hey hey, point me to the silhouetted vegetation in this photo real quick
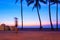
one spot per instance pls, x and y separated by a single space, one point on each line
56 2
50 14
21 11
37 6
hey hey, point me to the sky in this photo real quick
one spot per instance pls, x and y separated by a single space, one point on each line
9 10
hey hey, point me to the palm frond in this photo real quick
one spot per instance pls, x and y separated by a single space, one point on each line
16 1
30 2
55 1
45 2
21 0
52 3
51 0
59 2
35 6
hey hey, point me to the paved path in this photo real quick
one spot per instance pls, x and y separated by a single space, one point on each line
30 35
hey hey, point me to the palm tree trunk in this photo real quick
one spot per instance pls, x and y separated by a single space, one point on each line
50 17
57 16
39 19
21 14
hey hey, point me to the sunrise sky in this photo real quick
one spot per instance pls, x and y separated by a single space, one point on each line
9 10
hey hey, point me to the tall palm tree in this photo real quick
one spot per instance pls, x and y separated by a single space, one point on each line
50 14
37 6
21 11
56 1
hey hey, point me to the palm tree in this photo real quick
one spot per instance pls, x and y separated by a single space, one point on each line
50 15
21 11
37 6
56 1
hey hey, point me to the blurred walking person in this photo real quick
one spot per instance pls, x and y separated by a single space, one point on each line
16 24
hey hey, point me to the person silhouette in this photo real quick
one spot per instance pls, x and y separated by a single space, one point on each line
16 24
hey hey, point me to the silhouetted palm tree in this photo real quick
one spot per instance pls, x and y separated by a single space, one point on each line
56 1
21 11
37 5
50 14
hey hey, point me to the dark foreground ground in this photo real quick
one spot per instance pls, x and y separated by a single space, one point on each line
30 35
